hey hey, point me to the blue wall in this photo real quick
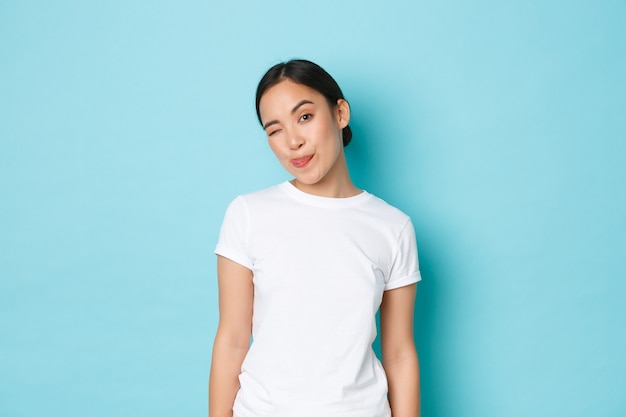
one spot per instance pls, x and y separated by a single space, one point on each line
126 127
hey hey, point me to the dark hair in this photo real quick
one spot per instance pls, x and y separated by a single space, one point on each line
306 73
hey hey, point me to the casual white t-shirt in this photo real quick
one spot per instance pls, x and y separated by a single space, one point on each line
320 267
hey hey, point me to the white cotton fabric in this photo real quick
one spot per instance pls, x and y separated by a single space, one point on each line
320 267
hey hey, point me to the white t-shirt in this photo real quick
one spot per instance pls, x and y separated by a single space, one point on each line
320 267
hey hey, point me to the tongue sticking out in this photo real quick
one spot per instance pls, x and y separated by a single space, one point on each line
301 162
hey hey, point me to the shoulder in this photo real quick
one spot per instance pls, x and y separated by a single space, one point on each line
265 195
386 212
244 202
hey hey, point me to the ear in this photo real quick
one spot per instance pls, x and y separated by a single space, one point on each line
343 113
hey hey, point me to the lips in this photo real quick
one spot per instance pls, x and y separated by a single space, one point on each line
301 162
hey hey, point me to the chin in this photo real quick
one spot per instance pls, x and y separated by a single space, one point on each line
307 180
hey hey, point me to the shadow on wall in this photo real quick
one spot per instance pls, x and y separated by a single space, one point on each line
384 159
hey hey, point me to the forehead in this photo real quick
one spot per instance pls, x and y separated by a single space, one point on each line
283 96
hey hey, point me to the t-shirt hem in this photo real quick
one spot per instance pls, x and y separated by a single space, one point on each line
233 256
408 280
237 412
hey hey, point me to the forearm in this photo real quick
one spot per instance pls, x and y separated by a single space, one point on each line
224 381
404 385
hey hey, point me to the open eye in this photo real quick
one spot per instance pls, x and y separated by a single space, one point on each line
306 117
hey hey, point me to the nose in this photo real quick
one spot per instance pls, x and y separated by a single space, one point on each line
295 140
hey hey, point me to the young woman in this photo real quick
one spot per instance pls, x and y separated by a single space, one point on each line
304 266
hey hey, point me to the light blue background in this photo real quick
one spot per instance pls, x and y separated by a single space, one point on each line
126 128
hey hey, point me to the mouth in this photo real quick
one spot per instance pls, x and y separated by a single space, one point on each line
301 162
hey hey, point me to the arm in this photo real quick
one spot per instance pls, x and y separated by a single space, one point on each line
233 335
398 351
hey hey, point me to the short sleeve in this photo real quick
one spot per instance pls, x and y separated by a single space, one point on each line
233 239
405 267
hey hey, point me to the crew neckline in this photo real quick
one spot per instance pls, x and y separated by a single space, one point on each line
319 201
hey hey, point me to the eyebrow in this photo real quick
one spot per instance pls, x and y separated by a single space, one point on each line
295 109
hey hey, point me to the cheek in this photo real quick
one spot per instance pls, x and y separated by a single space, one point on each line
334 139
274 147
328 134
279 153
